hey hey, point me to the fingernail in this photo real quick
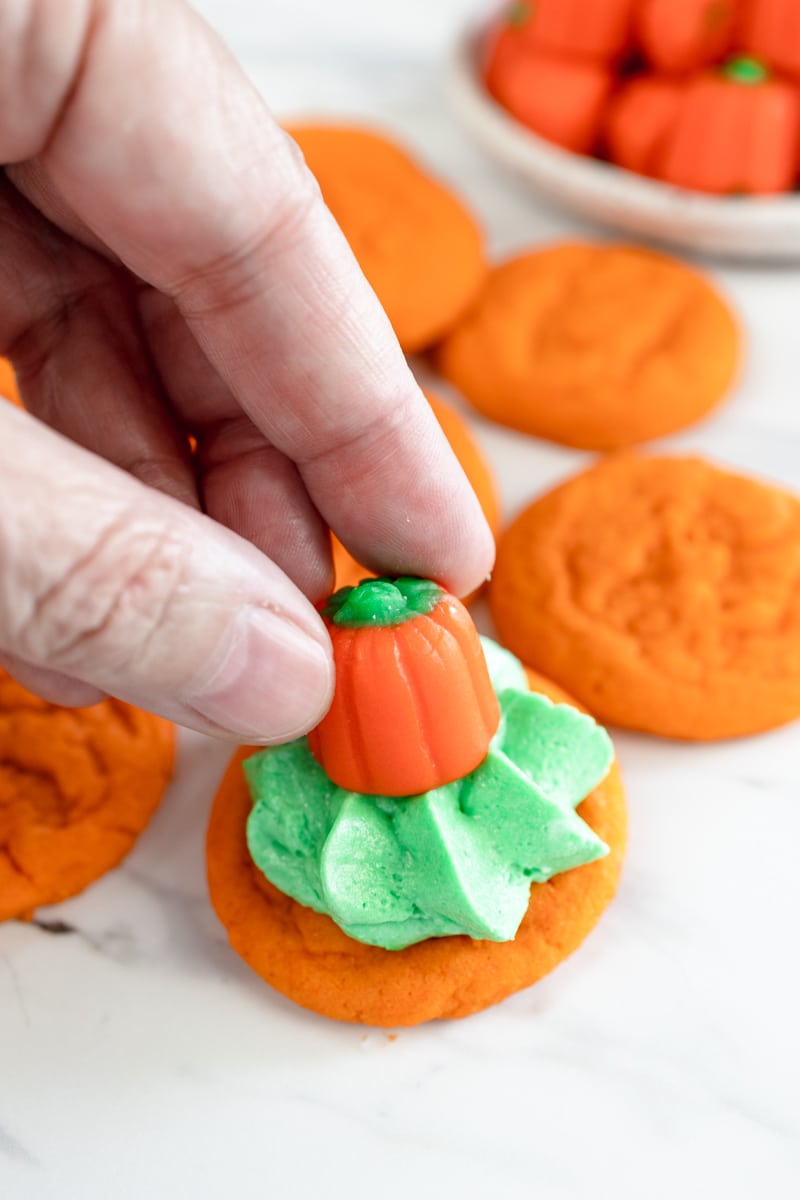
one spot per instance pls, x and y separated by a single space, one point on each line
273 681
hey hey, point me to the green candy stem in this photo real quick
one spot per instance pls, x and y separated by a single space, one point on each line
745 70
382 602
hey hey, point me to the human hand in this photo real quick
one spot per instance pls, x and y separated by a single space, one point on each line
167 267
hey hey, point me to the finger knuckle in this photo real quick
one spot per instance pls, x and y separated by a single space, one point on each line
230 280
106 603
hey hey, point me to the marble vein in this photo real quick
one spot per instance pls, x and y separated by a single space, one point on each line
13 1149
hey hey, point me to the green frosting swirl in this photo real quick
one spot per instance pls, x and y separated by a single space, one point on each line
382 602
457 860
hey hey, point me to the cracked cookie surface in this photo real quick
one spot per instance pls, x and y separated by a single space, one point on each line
663 592
304 955
597 347
77 787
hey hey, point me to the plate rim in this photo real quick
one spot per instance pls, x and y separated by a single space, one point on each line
741 228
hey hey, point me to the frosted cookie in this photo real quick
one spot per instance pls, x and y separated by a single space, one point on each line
398 908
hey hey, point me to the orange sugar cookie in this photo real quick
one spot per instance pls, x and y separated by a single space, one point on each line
663 592
77 787
476 468
597 347
304 955
8 382
418 246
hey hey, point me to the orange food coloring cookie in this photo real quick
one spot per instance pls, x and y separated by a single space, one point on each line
418 246
304 955
682 35
597 347
477 470
77 787
663 592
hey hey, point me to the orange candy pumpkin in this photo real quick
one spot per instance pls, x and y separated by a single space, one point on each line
770 29
734 131
737 132
599 29
414 707
638 121
683 35
561 99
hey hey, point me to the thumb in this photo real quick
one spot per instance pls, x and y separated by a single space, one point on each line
110 582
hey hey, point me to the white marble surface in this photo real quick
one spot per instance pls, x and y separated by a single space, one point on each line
140 1059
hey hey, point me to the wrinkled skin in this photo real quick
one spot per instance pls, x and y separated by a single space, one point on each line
168 268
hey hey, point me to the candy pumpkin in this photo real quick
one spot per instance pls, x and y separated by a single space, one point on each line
638 120
598 29
770 29
683 35
559 98
414 706
732 131
737 132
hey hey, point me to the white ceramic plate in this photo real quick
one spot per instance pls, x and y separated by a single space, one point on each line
736 228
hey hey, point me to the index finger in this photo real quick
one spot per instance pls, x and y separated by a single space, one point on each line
162 148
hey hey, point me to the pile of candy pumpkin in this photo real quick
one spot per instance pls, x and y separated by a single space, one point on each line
701 94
